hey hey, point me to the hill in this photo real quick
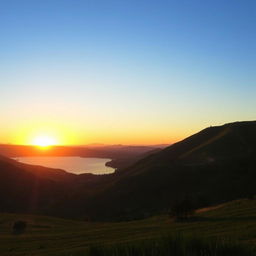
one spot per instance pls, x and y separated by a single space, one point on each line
24 191
213 166
36 189
235 221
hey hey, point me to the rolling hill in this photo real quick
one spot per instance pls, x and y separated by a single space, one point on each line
213 166
235 221
216 165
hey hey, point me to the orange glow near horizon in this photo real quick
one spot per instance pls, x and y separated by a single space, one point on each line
43 134
46 133
45 138
44 141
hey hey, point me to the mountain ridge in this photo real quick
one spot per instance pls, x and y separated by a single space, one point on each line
221 154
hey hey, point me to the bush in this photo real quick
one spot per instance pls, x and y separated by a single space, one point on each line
19 227
183 209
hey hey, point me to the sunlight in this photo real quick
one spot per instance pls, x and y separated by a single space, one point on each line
44 141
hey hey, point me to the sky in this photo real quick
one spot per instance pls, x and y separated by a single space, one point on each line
124 72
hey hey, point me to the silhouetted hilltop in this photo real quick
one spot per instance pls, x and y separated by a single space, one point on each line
212 166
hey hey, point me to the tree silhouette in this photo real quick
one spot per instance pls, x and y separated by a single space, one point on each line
19 227
182 209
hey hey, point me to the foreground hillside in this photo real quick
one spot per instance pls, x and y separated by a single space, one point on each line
235 221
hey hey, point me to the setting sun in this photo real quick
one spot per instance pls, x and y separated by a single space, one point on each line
44 141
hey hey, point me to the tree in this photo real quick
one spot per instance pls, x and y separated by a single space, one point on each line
182 209
19 227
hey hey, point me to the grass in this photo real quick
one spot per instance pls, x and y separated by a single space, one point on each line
174 246
231 226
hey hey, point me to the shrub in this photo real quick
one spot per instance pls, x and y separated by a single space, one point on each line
19 227
182 209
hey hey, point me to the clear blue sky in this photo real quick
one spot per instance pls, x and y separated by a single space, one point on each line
125 71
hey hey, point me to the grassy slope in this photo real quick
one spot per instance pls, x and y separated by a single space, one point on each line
51 236
215 165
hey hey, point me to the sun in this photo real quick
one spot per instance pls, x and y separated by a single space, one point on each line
44 141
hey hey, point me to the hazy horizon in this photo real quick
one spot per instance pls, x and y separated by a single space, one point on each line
98 144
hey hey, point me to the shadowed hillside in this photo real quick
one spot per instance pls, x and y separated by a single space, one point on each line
213 166
35 189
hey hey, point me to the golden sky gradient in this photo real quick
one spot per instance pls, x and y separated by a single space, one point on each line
124 72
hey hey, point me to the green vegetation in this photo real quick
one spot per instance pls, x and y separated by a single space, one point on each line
175 246
229 227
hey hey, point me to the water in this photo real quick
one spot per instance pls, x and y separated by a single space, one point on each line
72 164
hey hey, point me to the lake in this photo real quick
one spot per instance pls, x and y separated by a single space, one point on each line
77 165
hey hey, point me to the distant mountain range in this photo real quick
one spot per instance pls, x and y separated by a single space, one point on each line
215 165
